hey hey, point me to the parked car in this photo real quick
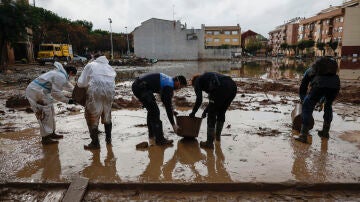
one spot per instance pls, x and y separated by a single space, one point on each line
78 58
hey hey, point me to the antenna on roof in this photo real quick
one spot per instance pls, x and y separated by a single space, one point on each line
173 12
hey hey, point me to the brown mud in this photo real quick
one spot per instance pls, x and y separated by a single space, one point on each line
256 146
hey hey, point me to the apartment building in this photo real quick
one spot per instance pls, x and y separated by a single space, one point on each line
329 26
220 36
285 33
171 40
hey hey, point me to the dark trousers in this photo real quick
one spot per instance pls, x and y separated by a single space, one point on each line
220 100
314 97
147 98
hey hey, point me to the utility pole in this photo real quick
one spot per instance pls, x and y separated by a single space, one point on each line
127 39
111 41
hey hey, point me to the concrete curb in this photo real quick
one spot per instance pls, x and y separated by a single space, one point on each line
219 187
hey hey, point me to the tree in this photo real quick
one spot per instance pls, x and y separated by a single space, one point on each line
321 46
13 23
253 45
333 46
301 45
284 46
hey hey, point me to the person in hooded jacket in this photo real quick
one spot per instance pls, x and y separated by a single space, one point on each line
222 90
43 92
144 88
325 84
99 79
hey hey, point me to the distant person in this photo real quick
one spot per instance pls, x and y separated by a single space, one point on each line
99 79
325 83
144 88
222 90
46 90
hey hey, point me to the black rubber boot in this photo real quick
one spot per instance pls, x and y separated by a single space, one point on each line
304 133
209 143
56 136
150 129
108 128
94 144
47 140
159 135
325 131
219 127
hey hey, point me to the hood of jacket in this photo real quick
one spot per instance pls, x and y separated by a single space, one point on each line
102 59
61 69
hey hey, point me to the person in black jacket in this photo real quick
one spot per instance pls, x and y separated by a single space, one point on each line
324 84
144 87
222 90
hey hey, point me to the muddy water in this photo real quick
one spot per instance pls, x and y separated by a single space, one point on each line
256 145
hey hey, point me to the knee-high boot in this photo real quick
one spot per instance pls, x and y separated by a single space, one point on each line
209 143
108 128
325 131
94 144
219 127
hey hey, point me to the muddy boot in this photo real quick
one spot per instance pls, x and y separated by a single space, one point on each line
159 135
219 127
209 143
56 136
108 128
304 133
47 140
94 144
325 131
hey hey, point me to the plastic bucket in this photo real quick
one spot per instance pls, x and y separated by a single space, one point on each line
189 126
79 95
297 120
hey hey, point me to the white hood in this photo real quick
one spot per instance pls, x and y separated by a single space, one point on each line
61 69
102 59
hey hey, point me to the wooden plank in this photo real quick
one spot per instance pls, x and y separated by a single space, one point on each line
76 190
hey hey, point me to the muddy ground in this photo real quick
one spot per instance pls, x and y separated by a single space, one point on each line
256 146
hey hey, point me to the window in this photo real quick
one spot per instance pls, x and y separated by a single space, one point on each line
227 40
227 32
339 39
235 32
216 40
235 40
216 32
341 19
209 39
57 48
209 32
340 29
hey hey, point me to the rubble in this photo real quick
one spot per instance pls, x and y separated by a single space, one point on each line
17 101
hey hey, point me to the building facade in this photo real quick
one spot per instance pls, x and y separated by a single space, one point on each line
328 26
285 33
220 36
171 40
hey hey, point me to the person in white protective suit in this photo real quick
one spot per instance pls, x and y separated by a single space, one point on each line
99 79
43 92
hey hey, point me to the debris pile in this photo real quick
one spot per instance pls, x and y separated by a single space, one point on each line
133 61
17 101
121 103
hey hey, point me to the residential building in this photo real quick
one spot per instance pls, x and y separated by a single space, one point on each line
171 40
220 36
246 35
329 26
285 33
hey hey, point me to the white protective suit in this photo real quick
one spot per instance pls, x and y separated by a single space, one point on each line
43 92
99 79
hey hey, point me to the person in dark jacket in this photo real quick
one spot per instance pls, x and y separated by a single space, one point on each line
222 90
144 87
325 83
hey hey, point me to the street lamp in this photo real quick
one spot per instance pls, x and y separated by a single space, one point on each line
127 39
111 42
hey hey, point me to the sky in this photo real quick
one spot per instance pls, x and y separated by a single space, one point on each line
260 16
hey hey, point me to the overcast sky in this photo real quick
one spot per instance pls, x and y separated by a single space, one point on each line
260 16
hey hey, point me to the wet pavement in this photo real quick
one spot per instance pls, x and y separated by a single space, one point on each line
256 144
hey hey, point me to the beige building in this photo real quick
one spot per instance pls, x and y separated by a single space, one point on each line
219 36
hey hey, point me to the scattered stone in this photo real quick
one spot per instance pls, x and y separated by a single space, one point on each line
228 126
29 110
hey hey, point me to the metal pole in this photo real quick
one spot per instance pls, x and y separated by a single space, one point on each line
127 39
111 41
